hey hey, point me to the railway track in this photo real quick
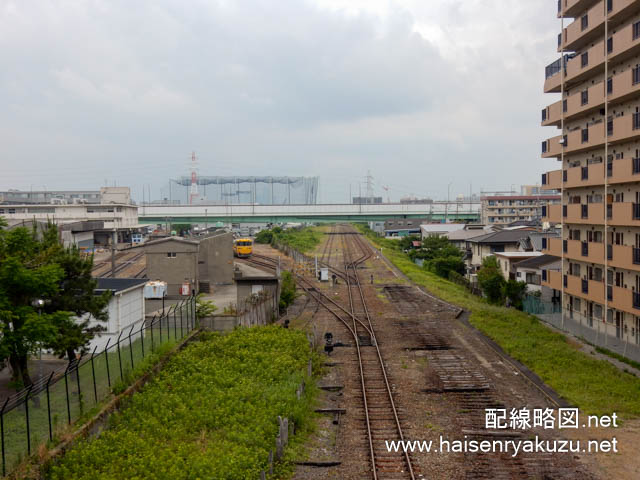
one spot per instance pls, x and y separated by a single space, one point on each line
382 420
123 261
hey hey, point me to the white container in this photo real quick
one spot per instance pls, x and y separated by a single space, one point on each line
324 274
155 289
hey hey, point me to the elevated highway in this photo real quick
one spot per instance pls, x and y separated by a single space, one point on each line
252 213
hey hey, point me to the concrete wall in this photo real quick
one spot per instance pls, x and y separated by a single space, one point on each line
173 270
215 259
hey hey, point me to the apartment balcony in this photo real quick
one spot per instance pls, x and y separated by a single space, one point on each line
552 180
591 61
621 130
553 280
572 8
590 252
589 24
592 290
586 214
554 246
552 213
552 147
625 256
625 299
624 170
585 176
552 115
621 89
625 214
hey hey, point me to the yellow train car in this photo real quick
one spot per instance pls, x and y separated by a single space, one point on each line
242 247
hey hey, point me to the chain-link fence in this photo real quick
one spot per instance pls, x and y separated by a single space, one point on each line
621 336
37 414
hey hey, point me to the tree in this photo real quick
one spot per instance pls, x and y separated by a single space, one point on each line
264 236
204 308
27 274
76 295
406 243
287 290
181 228
491 280
515 291
442 266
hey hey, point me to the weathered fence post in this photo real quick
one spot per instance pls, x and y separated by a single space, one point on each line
131 347
142 336
119 356
106 359
153 321
26 411
49 407
93 373
4 464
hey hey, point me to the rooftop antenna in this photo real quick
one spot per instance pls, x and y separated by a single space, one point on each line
193 192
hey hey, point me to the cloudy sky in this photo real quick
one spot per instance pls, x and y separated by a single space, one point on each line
424 93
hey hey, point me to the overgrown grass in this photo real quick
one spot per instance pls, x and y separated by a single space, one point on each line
596 386
210 413
303 239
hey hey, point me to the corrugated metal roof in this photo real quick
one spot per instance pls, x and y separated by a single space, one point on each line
118 284
503 236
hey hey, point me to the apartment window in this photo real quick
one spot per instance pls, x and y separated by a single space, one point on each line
584 210
564 210
584 97
544 275
565 142
544 179
636 256
544 114
565 281
597 310
636 119
610 126
609 252
564 175
559 39
609 292
635 75
636 30
609 44
609 168
544 147
635 168
585 139
585 249
171 254
609 211
585 286
564 105
11 210
544 242
609 85
544 213
584 59
574 234
636 211
609 5
565 246
584 22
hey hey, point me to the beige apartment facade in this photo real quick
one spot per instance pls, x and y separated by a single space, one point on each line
597 78
505 209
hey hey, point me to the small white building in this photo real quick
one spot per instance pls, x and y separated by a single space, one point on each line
439 229
531 272
508 262
126 309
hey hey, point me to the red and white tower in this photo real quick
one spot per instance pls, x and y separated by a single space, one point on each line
193 192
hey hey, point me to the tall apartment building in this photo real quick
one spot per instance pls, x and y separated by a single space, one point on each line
505 209
598 116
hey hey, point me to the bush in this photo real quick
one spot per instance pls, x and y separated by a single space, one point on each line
491 281
264 236
442 266
455 277
287 290
514 292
